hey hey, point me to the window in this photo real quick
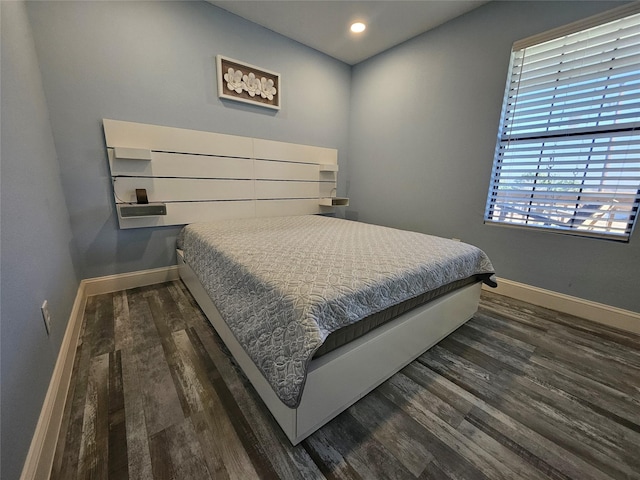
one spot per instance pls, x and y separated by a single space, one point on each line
567 157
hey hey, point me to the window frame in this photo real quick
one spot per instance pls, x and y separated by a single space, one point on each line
598 132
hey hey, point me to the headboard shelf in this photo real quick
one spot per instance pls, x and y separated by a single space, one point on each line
334 202
123 153
204 176
142 210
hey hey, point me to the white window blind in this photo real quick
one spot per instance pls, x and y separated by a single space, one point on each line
568 151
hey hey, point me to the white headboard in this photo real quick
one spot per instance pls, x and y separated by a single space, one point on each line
203 176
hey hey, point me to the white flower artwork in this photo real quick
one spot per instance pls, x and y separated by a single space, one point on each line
251 84
234 80
267 90
247 83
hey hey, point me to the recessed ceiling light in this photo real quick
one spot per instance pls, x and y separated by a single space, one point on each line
358 27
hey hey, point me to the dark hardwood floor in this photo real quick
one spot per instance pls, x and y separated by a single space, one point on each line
517 392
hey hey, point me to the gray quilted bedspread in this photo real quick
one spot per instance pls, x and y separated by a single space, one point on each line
283 284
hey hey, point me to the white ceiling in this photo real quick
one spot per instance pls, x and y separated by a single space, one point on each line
324 25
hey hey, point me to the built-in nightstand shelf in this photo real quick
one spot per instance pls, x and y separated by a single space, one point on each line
328 167
141 210
123 153
334 202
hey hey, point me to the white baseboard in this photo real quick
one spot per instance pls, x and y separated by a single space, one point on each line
39 460
43 444
124 281
596 312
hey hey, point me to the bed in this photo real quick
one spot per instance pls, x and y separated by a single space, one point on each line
279 290
261 206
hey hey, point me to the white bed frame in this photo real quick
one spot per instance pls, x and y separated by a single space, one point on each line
338 379
255 178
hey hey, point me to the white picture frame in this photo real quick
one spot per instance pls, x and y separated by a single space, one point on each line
242 82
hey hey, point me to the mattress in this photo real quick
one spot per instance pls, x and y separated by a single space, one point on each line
349 333
284 284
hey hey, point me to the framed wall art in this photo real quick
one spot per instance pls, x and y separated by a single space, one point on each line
247 83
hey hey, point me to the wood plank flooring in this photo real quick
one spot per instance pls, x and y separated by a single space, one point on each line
517 392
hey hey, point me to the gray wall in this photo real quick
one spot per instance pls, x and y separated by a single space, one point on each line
423 127
150 62
154 62
36 243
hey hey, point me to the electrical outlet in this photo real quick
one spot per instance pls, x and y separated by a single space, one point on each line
46 316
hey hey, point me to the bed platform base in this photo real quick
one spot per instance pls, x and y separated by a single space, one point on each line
338 379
